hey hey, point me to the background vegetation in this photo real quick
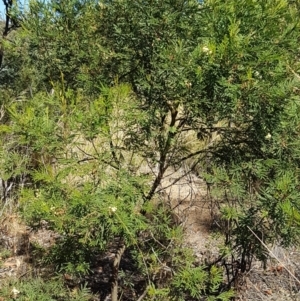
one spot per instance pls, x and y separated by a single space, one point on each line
99 99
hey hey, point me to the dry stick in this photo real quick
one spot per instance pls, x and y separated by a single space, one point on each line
143 295
274 256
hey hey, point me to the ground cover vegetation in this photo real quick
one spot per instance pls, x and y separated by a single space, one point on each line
99 99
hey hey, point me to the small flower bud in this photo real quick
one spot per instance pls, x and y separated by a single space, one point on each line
112 209
268 136
206 50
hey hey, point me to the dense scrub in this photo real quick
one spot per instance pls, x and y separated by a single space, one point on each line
99 99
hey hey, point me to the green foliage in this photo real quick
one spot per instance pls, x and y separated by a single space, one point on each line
196 282
99 99
191 280
39 290
75 214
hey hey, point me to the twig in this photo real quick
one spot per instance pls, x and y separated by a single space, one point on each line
157 241
142 296
274 256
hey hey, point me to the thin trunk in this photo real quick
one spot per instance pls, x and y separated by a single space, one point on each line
114 289
163 162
